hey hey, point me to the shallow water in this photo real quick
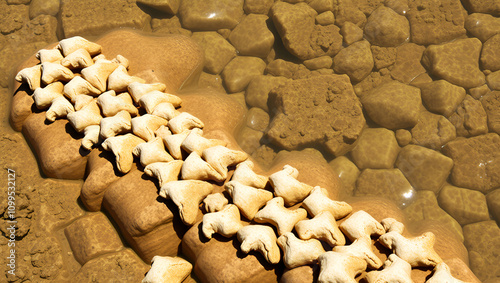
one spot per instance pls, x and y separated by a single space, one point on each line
372 165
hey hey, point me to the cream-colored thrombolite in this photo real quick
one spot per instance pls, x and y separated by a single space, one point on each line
162 132
112 126
78 86
145 126
248 199
318 201
120 59
395 270
287 186
220 157
151 99
119 79
322 227
151 152
262 239
360 224
43 96
98 73
52 72
339 267
195 142
165 269
245 175
78 59
187 195
82 100
174 142
89 115
69 45
362 248
164 171
215 202
59 108
137 89
184 121
297 252
111 103
195 168
391 224
282 218
122 147
91 136
418 251
31 76
49 55
225 222
441 274
165 110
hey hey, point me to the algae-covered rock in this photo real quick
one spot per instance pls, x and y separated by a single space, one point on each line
469 118
356 61
387 28
466 206
377 148
432 131
240 71
442 97
481 239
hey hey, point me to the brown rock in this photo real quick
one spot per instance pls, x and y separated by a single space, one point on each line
470 119
169 26
466 206
251 36
390 184
91 236
347 171
490 55
41 7
383 57
325 18
300 121
479 91
302 274
432 131
287 69
491 104
122 266
407 65
249 139
476 163
457 62
356 61
399 6
167 6
210 14
348 11
102 172
376 149
218 51
321 6
368 6
257 119
373 80
301 37
211 81
493 199
425 168
426 207
403 136
351 33
319 63
481 239
258 89
493 80
393 105
482 26
240 71
257 6
92 19
442 97
434 22
483 6
149 54
57 146
386 28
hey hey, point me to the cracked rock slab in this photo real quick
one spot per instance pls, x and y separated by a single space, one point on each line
330 115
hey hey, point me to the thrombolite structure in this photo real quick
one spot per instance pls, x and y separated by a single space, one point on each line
151 225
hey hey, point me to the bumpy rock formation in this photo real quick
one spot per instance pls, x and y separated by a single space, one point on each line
298 119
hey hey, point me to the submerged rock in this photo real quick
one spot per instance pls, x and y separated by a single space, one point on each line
482 26
258 89
376 149
470 118
252 37
457 62
387 28
356 61
481 239
442 97
466 206
432 131
240 71
330 115
491 104
218 51
490 55
210 14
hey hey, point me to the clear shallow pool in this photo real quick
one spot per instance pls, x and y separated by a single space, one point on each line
428 109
